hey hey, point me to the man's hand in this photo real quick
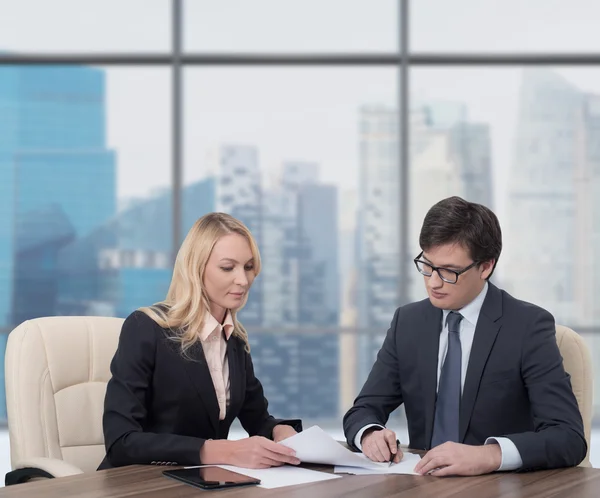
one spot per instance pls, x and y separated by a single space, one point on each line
282 431
454 459
380 445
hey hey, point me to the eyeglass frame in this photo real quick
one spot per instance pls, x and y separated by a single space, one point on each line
458 273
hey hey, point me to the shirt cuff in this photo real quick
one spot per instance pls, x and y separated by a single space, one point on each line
360 433
511 458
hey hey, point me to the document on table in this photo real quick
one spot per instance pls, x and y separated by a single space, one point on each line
314 445
278 477
405 466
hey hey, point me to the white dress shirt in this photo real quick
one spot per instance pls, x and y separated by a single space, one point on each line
214 337
511 458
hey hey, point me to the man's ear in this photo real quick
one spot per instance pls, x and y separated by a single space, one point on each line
487 267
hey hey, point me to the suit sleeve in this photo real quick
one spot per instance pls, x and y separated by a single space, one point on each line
126 403
254 415
557 439
381 394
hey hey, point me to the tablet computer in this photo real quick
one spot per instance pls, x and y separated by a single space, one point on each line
211 477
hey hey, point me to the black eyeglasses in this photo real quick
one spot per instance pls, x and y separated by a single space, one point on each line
446 274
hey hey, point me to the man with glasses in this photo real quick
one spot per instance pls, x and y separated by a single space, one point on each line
479 372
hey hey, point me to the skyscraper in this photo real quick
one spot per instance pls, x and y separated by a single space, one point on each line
348 307
318 233
586 270
238 192
379 226
52 154
449 156
319 300
586 245
300 370
52 151
553 231
40 235
278 294
126 262
538 253
470 146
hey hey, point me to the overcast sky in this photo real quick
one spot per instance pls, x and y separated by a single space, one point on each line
296 113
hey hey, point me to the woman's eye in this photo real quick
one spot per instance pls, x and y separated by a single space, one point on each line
249 268
226 269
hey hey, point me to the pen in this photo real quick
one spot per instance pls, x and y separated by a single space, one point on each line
394 454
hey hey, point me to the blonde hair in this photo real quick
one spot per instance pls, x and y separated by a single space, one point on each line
186 305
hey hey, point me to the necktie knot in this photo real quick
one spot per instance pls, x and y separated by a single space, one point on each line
453 321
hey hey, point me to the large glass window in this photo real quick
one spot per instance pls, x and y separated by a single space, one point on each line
488 26
309 153
90 26
84 191
524 141
273 26
293 153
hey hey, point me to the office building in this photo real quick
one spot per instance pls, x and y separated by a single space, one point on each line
538 256
238 192
586 267
53 152
127 262
449 156
299 369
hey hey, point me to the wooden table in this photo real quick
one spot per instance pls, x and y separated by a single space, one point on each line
147 481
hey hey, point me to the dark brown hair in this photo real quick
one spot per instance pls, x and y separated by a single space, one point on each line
456 221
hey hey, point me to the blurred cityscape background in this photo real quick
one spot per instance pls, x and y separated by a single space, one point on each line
309 156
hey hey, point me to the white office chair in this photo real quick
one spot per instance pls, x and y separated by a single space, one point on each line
577 361
56 374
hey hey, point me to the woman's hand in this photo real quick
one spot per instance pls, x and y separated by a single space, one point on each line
281 432
255 452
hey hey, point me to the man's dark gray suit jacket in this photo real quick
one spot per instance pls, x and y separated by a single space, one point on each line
515 385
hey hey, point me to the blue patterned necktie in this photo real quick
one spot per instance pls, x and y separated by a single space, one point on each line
447 404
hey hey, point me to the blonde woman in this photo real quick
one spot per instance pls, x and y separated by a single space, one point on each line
183 372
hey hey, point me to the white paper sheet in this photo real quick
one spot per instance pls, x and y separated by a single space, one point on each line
278 477
405 466
314 445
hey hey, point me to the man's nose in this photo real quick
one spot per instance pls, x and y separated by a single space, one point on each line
435 281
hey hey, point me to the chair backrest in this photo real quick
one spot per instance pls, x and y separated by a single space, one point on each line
577 361
56 371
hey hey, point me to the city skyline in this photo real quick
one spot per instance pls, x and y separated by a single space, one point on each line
323 266
71 253
439 111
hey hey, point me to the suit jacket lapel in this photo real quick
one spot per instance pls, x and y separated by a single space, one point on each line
199 374
486 331
430 343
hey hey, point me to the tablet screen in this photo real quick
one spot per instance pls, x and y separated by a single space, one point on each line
211 477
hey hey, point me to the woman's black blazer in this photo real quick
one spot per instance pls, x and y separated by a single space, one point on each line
161 407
